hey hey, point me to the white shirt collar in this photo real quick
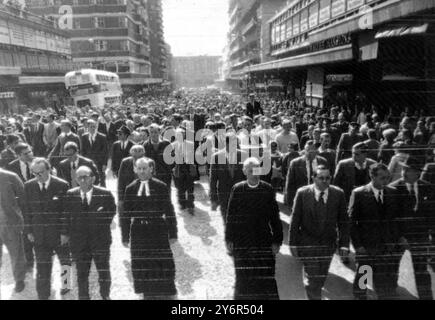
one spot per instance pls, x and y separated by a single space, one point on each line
361 167
47 183
76 163
377 192
88 195
317 193
411 186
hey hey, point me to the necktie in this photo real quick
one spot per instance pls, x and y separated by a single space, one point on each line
381 197
321 199
27 172
414 197
309 170
73 175
44 189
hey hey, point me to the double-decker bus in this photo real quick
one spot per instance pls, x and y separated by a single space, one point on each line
95 88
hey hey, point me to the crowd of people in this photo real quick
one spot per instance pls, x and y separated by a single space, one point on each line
350 176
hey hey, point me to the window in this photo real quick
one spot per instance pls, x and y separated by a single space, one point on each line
77 23
100 45
125 45
99 22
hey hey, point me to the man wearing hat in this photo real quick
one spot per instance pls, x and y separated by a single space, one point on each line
120 149
416 221
347 141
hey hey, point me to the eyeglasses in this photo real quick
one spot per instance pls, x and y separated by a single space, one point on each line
83 177
38 174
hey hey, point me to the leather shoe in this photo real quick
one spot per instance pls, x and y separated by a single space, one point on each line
19 286
106 298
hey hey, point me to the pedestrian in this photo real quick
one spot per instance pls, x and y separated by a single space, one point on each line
253 235
88 214
151 229
319 226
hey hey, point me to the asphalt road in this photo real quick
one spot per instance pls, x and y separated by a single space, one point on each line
203 268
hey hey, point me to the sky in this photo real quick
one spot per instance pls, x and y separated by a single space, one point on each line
195 27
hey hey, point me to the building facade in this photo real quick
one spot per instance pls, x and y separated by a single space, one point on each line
342 52
248 36
196 71
158 55
34 57
111 35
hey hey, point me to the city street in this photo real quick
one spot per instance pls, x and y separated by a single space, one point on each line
204 270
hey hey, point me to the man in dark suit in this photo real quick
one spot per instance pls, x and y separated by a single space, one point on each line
94 147
347 141
57 154
120 150
8 155
34 136
21 167
127 174
301 170
88 214
353 172
42 212
226 170
319 223
372 211
11 224
326 152
149 226
67 168
108 128
155 149
416 222
253 107
253 235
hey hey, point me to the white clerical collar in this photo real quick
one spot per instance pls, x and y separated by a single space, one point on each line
253 186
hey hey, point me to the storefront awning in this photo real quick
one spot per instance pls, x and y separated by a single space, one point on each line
402 31
342 53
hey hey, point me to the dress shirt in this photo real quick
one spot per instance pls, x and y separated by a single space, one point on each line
317 193
379 194
361 167
87 196
46 184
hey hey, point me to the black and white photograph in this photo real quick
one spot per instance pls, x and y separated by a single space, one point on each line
229 152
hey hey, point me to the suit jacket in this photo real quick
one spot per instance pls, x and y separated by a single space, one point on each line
297 176
110 134
308 231
330 156
126 176
163 170
345 175
12 198
43 213
57 154
371 227
15 167
117 155
7 156
35 139
415 220
97 151
154 214
344 148
64 170
89 229
429 174
252 110
221 181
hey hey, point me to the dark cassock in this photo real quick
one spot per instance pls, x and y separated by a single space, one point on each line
149 222
253 225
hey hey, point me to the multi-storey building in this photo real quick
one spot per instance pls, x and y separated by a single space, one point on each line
373 52
34 57
248 36
196 71
158 56
112 35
